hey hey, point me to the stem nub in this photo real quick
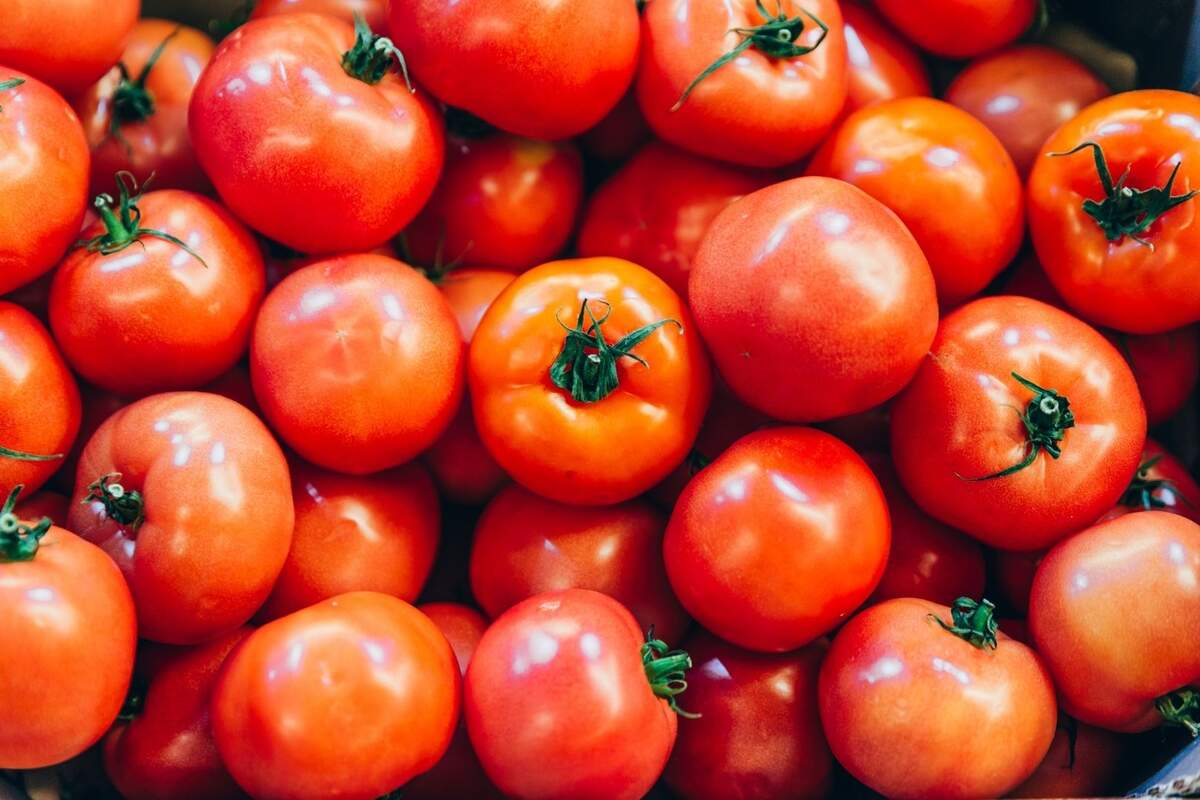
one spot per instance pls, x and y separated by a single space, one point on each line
1046 419
127 508
666 669
11 83
18 455
373 56
124 223
1143 490
1181 708
131 100
19 542
973 622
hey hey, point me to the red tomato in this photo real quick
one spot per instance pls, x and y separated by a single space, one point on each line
373 11
1119 256
525 545
945 175
1023 94
1165 365
189 494
1023 424
559 703
987 713
811 541
1097 615
550 406
166 751
68 44
181 314
657 208
880 65
814 272
349 698
958 29
758 733
43 186
336 350
67 637
43 504
777 87
1083 761
1162 483
320 158
462 626
96 405
1014 576
867 431
619 135
235 384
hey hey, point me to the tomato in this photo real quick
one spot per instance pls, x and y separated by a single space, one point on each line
1083 762
758 733
867 431
96 405
334 355
234 384
732 81
43 187
43 504
1118 255
1023 94
68 44
374 12
1013 574
1162 483
502 201
657 208
1096 613
67 638
551 407
181 313
1166 366
619 135
189 494
880 65
374 533
922 158
987 714
811 544
166 751
350 698
812 271
1022 425
318 157
958 29
563 699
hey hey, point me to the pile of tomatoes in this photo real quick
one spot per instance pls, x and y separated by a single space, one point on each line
746 422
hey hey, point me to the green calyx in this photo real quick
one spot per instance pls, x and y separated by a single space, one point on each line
126 508
776 38
1143 490
1181 708
1046 419
373 56
18 541
17 455
123 223
1125 211
131 100
11 83
587 365
666 670
973 622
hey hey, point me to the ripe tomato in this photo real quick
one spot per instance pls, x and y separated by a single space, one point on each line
317 156
96 405
234 384
1096 613
740 81
1083 761
619 135
1166 366
1023 424
350 698
987 704
43 186
68 618
921 158
550 405
758 733
43 504
1162 483
374 12
1117 254
657 208
957 29
812 271
564 699
464 470
1023 94
140 294
880 65
812 539
525 545
189 494
334 355
68 44
1013 573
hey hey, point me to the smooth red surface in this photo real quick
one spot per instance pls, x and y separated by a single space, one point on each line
880 65
1165 365
1085 762
959 28
43 504
96 405
373 12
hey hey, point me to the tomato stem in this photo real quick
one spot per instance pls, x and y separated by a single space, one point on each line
1142 490
124 224
666 669
373 56
1046 419
19 542
11 83
1181 708
127 508
17 455
131 100
973 622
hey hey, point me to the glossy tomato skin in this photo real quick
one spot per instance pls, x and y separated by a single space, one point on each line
333 358
961 419
553 70
96 405
326 165
657 208
956 29
812 271
153 317
1166 366
284 729
921 157
558 704
217 507
755 110
564 449
990 710
1083 761
1122 284
374 12
758 734
879 64
68 44
812 537
1095 612
44 190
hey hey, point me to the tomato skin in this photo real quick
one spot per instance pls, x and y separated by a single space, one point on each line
1166 366
1014 576
812 539
43 504
96 405
957 29
879 64
292 732
1096 615
868 314
755 110
925 157
1088 766
620 134
990 714
759 734
558 704
290 159
961 418
374 12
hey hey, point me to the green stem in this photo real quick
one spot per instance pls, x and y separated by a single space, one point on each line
131 100
1046 418
17 455
1181 708
18 541
973 622
1142 490
666 670
126 508
373 56
11 83
123 223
